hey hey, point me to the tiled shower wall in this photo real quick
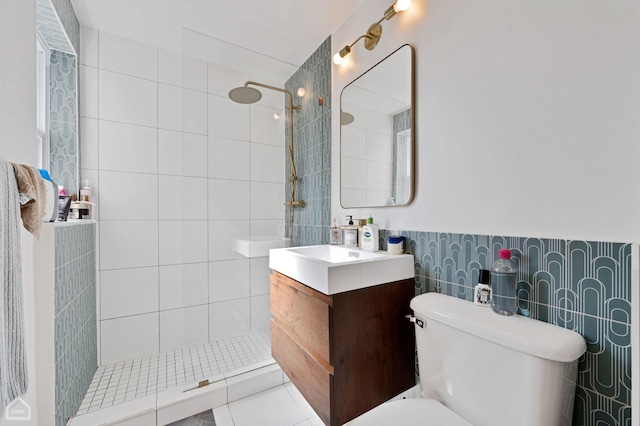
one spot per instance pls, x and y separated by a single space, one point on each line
580 285
63 120
76 346
69 20
180 172
312 152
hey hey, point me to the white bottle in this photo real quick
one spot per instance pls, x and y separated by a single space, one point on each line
86 193
370 236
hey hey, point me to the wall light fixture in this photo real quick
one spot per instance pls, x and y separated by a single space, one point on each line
374 32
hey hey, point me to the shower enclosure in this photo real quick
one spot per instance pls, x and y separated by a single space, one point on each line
177 186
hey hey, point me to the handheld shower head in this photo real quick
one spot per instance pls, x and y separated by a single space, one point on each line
245 95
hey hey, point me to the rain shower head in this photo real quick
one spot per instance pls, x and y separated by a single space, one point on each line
346 118
245 95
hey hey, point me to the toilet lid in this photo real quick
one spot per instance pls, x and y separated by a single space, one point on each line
410 412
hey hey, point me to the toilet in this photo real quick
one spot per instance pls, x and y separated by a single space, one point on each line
483 369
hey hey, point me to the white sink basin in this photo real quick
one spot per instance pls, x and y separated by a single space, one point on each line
336 269
259 245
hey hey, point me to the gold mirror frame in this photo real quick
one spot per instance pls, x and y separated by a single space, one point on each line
377 155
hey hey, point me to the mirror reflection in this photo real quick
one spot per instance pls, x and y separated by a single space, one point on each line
376 143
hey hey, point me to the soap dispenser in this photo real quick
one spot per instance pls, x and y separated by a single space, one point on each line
370 236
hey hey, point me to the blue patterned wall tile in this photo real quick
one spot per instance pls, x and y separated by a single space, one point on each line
599 279
591 408
312 130
63 132
549 270
606 367
75 320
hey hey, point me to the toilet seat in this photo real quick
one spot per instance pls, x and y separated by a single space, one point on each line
410 412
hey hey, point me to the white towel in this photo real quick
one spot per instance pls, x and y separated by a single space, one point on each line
13 362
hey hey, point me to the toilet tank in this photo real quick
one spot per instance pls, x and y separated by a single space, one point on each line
495 370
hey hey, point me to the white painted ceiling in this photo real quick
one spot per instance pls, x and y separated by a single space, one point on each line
287 30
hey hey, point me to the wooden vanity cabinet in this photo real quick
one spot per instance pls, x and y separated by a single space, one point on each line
348 352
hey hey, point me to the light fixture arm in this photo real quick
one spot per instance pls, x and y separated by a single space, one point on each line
373 34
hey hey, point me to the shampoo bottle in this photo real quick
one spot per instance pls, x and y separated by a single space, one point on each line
370 236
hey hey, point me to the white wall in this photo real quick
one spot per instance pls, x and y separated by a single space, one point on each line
527 115
180 171
17 144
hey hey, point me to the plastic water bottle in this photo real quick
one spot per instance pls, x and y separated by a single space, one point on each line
503 284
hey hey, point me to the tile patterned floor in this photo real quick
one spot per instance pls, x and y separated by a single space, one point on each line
124 381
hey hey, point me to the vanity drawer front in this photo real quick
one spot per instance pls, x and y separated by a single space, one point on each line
303 315
311 379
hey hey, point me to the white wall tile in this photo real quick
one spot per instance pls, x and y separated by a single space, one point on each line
184 327
94 178
229 280
182 198
89 143
222 234
128 99
128 196
125 292
267 163
353 142
169 107
182 109
194 111
128 148
229 159
267 200
378 176
272 98
378 198
182 242
223 79
127 244
182 154
129 337
228 199
268 227
260 276
228 119
88 46
260 313
229 319
194 74
379 147
379 122
264 129
354 197
169 67
128 57
354 173
184 285
88 91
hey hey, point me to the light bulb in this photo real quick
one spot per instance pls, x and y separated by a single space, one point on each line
301 92
337 59
276 116
401 5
